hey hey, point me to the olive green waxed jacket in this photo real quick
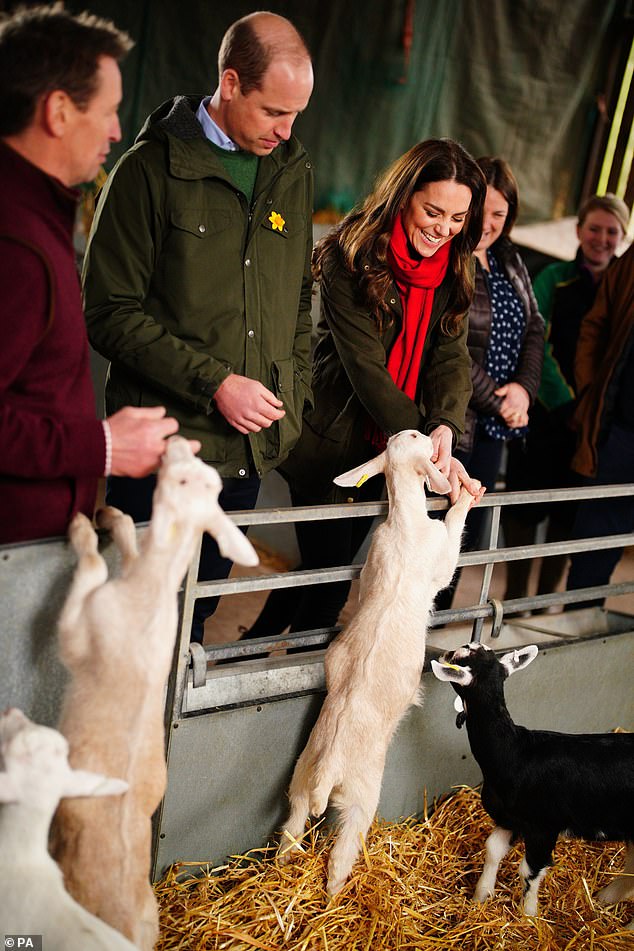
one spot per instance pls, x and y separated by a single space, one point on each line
185 284
352 386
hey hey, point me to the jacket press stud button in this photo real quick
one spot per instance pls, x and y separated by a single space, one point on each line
247 263
242 472
202 228
251 333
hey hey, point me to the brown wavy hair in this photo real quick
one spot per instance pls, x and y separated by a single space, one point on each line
361 240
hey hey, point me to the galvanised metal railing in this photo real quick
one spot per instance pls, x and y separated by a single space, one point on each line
486 607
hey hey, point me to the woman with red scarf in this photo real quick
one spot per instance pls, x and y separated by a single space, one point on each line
397 279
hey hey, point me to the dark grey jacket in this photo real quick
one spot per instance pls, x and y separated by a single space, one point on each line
528 374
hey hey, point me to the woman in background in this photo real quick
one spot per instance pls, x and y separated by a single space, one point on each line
565 292
396 280
506 343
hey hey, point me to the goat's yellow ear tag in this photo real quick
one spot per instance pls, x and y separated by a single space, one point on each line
450 666
364 478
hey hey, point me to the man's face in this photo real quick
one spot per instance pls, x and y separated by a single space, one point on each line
261 119
90 132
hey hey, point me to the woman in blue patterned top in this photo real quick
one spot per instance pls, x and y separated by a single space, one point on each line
506 343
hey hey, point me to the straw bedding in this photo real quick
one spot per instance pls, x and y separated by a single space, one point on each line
411 888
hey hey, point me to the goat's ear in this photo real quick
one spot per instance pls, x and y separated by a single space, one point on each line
517 660
362 473
434 478
81 782
452 673
231 541
8 791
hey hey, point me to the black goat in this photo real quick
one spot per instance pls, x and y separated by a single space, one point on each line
538 784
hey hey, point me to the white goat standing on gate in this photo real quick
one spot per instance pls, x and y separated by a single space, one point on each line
117 639
35 775
373 668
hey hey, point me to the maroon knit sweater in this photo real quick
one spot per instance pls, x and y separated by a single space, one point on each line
52 447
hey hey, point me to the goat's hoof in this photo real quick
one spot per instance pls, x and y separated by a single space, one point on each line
288 848
482 894
333 887
286 853
621 889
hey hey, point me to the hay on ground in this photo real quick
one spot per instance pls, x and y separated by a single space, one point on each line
411 888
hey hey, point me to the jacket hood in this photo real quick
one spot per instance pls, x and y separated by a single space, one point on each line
174 122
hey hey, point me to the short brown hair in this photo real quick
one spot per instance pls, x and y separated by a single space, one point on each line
245 49
44 48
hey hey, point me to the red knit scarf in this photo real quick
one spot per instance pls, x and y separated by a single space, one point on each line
416 279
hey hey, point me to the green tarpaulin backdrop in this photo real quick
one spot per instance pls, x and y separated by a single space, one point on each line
516 78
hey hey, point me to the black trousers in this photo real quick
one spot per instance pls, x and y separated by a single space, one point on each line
323 544
483 463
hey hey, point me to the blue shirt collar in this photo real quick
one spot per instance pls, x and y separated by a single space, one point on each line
212 130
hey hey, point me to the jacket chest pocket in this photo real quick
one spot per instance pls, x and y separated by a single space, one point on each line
200 224
198 250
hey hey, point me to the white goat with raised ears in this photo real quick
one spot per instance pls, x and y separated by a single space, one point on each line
539 784
117 639
35 775
374 666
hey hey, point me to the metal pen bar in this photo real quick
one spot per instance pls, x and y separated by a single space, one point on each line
488 572
363 509
322 636
292 579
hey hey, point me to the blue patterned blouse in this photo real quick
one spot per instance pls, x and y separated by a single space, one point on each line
508 322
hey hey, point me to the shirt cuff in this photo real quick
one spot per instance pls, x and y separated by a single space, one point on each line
108 438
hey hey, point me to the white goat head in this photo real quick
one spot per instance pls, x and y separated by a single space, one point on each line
187 490
408 449
35 768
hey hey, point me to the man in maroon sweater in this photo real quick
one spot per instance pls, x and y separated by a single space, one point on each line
60 88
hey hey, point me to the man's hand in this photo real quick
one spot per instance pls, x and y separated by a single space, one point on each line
442 438
246 404
459 476
138 439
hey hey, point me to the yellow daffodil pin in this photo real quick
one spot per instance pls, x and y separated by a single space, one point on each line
277 222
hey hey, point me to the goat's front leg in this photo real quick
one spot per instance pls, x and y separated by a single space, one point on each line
497 845
454 525
123 532
91 572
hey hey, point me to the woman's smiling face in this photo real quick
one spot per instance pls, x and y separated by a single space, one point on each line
435 215
599 237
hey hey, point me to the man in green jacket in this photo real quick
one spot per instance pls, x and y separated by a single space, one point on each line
197 274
